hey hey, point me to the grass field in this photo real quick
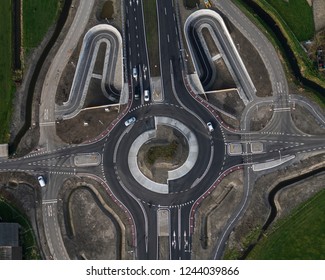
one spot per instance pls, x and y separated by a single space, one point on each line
191 4
6 83
28 243
301 236
298 15
151 25
166 152
38 16
307 68
107 10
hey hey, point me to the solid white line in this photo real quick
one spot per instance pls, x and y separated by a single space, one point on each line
49 201
47 124
281 109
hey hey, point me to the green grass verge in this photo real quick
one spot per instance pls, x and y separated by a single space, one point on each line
151 26
300 236
107 10
10 214
298 15
307 67
6 83
191 4
38 16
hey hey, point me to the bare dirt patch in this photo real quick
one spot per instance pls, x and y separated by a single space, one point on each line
230 102
92 224
224 80
305 121
319 14
231 122
213 49
97 121
260 117
156 166
252 60
214 213
99 64
86 214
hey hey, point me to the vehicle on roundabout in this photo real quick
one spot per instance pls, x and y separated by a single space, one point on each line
210 127
41 181
130 121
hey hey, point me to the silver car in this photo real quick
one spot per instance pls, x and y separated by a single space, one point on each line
41 181
130 121
146 95
135 73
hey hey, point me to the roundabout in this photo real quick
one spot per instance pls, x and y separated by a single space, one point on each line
187 180
173 174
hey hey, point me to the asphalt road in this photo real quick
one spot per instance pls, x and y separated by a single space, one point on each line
280 139
136 48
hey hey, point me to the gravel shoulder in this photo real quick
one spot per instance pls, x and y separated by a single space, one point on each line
91 122
305 121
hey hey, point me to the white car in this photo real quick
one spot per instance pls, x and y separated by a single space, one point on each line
135 73
41 181
210 126
130 121
146 95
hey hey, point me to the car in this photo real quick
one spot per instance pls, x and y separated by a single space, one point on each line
146 95
137 93
130 121
41 181
210 126
135 72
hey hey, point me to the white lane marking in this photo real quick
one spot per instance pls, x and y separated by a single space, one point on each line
49 201
47 124
49 210
46 114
